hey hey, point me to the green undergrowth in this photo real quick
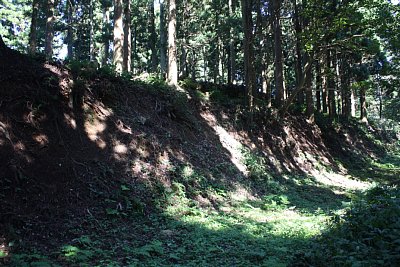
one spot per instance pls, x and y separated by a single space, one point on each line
368 234
223 228
202 218
259 232
288 220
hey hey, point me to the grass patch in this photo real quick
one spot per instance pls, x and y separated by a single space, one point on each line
368 234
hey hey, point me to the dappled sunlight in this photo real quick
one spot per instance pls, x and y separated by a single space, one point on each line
120 150
227 141
240 193
94 130
344 182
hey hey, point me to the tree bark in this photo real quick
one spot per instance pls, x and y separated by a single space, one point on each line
307 67
298 30
127 60
346 90
266 86
172 55
70 31
163 52
49 30
308 90
318 86
32 34
232 54
106 45
279 81
118 37
331 86
247 6
216 58
91 45
153 36
324 83
363 104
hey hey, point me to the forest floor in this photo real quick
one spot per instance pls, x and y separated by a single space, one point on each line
105 171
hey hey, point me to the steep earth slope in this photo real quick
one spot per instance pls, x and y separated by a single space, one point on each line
75 142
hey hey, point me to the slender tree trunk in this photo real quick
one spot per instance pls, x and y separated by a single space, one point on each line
172 55
153 36
127 60
352 102
338 83
309 95
49 30
279 81
163 43
318 86
205 63
32 34
266 86
118 36
363 104
216 44
135 69
380 95
70 31
331 86
346 91
299 69
91 46
232 53
247 6
106 45
324 83
183 62
193 61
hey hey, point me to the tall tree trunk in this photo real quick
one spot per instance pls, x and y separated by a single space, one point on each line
106 45
118 36
49 29
279 82
247 6
338 83
232 54
346 90
32 34
70 31
91 45
193 63
318 86
331 86
163 43
127 61
216 59
363 104
153 36
299 69
309 95
172 57
135 70
325 73
352 102
266 85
